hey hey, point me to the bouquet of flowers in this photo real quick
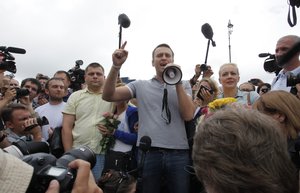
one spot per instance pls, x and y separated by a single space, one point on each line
111 123
217 105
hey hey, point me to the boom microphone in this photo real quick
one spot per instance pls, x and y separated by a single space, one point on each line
124 21
207 31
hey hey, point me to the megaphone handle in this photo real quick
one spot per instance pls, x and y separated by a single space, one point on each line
120 36
208 43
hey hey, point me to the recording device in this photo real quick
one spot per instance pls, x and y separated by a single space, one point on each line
77 76
7 60
200 89
124 22
21 92
47 167
270 64
292 80
41 121
208 34
287 56
21 148
172 74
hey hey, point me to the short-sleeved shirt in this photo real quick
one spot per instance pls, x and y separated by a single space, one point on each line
280 81
149 95
244 97
88 109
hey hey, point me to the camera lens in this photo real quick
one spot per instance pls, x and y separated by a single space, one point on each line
82 152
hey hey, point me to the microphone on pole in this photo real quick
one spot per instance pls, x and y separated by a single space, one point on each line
124 22
208 34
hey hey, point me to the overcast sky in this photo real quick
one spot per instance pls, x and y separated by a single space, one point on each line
56 33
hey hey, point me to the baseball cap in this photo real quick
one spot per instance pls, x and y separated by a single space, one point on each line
15 175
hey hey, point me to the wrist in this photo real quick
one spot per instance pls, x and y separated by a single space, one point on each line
116 67
2 136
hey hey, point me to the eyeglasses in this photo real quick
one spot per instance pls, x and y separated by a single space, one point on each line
264 90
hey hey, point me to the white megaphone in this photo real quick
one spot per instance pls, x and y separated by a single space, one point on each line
172 74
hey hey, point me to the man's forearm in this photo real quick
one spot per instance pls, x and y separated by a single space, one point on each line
67 138
110 82
186 105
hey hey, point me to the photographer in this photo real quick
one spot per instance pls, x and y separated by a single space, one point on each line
292 66
19 123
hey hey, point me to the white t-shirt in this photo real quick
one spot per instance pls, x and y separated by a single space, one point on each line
54 115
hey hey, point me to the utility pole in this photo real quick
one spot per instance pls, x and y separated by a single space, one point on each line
229 26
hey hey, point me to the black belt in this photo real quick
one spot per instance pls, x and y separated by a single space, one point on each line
165 149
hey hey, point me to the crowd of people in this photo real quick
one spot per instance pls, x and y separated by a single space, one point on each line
249 145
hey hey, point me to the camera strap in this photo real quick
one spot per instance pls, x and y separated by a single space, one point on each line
294 16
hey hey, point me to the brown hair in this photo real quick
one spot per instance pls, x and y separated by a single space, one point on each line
281 102
243 151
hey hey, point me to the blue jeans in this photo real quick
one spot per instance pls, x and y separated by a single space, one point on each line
165 167
97 169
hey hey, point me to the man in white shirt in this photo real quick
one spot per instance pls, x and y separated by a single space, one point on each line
52 110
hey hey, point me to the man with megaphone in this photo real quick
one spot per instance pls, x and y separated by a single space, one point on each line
164 103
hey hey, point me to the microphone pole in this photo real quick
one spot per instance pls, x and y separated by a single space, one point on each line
120 36
207 49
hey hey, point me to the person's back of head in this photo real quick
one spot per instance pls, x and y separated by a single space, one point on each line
243 151
284 104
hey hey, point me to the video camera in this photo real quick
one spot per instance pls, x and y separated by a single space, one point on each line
47 167
7 60
77 76
270 64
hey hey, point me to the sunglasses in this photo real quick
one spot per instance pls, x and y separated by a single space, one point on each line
264 90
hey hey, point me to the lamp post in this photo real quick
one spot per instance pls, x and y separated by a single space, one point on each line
229 26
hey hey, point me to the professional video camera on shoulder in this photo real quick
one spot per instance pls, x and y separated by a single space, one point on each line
7 60
47 167
77 76
270 64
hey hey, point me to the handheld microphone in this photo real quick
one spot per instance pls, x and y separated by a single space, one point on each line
123 20
207 31
145 143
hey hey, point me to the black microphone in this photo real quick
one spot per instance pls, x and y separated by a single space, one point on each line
123 20
145 143
287 56
207 31
263 55
16 50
